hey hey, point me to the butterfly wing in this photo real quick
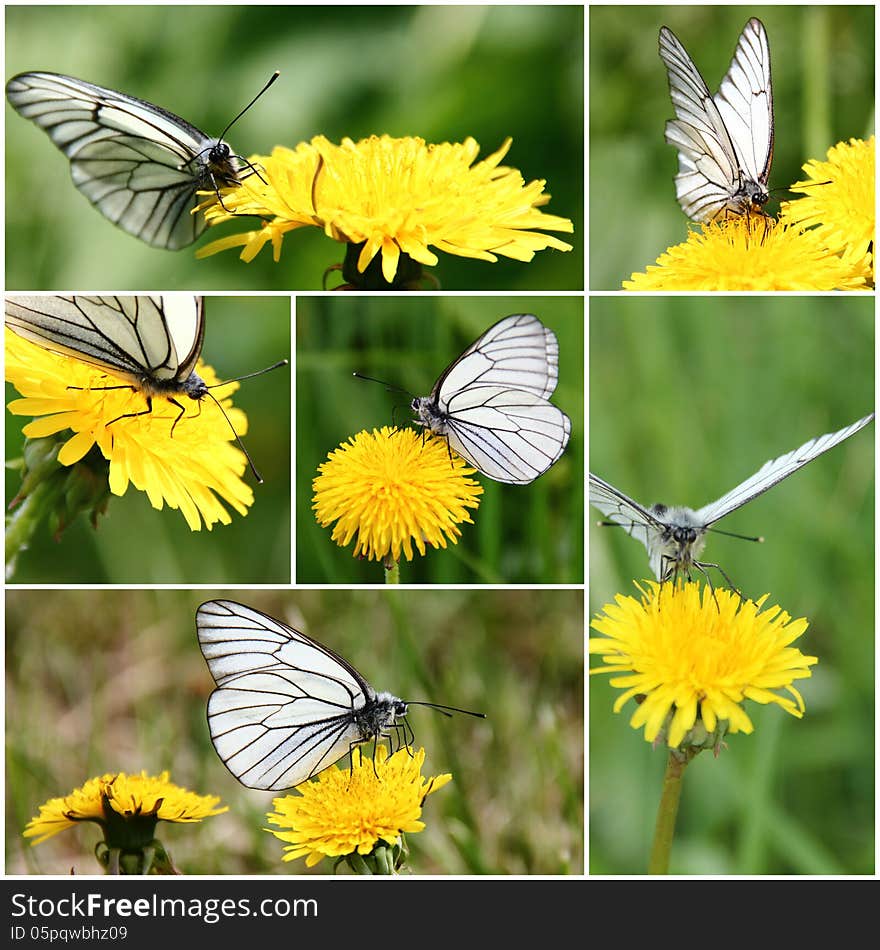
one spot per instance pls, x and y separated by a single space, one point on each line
636 520
134 337
773 471
518 352
493 401
137 163
283 707
721 166
509 435
745 101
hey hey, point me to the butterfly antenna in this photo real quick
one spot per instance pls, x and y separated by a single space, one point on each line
272 79
259 372
447 710
253 468
389 386
742 537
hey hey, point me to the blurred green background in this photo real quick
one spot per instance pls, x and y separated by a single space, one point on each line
823 78
689 397
107 680
521 533
135 543
439 72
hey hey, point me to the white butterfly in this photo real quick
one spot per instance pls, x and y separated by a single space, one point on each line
137 163
491 404
675 536
725 141
151 343
286 707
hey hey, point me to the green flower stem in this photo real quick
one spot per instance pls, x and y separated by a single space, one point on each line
358 864
24 520
384 860
664 830
392 571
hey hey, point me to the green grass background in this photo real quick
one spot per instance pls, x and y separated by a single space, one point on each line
134 543
823 77
107 680
439 72
690 396
521 533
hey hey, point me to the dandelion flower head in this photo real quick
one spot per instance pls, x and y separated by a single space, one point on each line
695 659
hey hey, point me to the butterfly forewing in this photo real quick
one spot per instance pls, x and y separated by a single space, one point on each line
136 337
775 470
139 164
745 101
518 352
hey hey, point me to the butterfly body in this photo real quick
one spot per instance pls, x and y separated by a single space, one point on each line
492 403
674 537
725 141
137 163
679 543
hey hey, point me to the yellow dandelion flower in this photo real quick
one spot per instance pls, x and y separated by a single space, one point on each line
839 201
193 470
395 489
748 252
392 197
140 799
344 813
694 661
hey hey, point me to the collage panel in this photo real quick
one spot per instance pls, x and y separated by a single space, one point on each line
381 127
109 681
764 98
110 482
689 399
459 459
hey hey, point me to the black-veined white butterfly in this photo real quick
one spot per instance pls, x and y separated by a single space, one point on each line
675 536
725 141
286 707
138 164
151 343
492 405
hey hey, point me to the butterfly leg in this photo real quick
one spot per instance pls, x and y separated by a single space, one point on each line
180 414
125 415
702 565
252 168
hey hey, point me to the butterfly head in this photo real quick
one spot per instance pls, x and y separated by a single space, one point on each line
379 714
751 196
682 538
428 414
219 167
